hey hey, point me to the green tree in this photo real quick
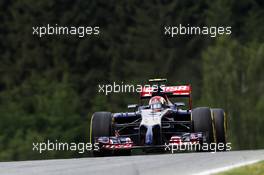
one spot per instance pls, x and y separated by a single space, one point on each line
232 80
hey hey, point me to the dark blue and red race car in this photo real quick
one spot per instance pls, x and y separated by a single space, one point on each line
158 123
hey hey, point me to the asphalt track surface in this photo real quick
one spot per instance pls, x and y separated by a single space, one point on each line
178 163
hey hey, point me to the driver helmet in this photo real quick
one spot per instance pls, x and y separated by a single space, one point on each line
157 102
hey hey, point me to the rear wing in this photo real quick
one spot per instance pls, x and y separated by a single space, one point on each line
169 91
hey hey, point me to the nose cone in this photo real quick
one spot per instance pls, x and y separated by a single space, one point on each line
149 136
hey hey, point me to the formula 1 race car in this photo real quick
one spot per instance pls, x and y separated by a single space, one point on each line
158 123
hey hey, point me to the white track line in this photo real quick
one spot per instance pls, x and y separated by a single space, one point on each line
225 168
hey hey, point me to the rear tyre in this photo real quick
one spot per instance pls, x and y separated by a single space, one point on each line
101 125
202 122
220 128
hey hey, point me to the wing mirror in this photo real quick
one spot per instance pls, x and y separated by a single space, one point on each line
132 106
179 104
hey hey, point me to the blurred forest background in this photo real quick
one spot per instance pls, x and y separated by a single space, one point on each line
49 85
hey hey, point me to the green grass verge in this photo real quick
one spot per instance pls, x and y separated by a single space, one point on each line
254 169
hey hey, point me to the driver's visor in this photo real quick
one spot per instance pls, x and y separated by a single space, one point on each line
156 106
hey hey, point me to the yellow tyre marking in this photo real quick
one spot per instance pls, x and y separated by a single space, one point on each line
91 124
213 125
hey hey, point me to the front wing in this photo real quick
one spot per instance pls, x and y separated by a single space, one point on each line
116 143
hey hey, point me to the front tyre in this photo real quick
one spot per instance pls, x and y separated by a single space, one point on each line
202 122
101 125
